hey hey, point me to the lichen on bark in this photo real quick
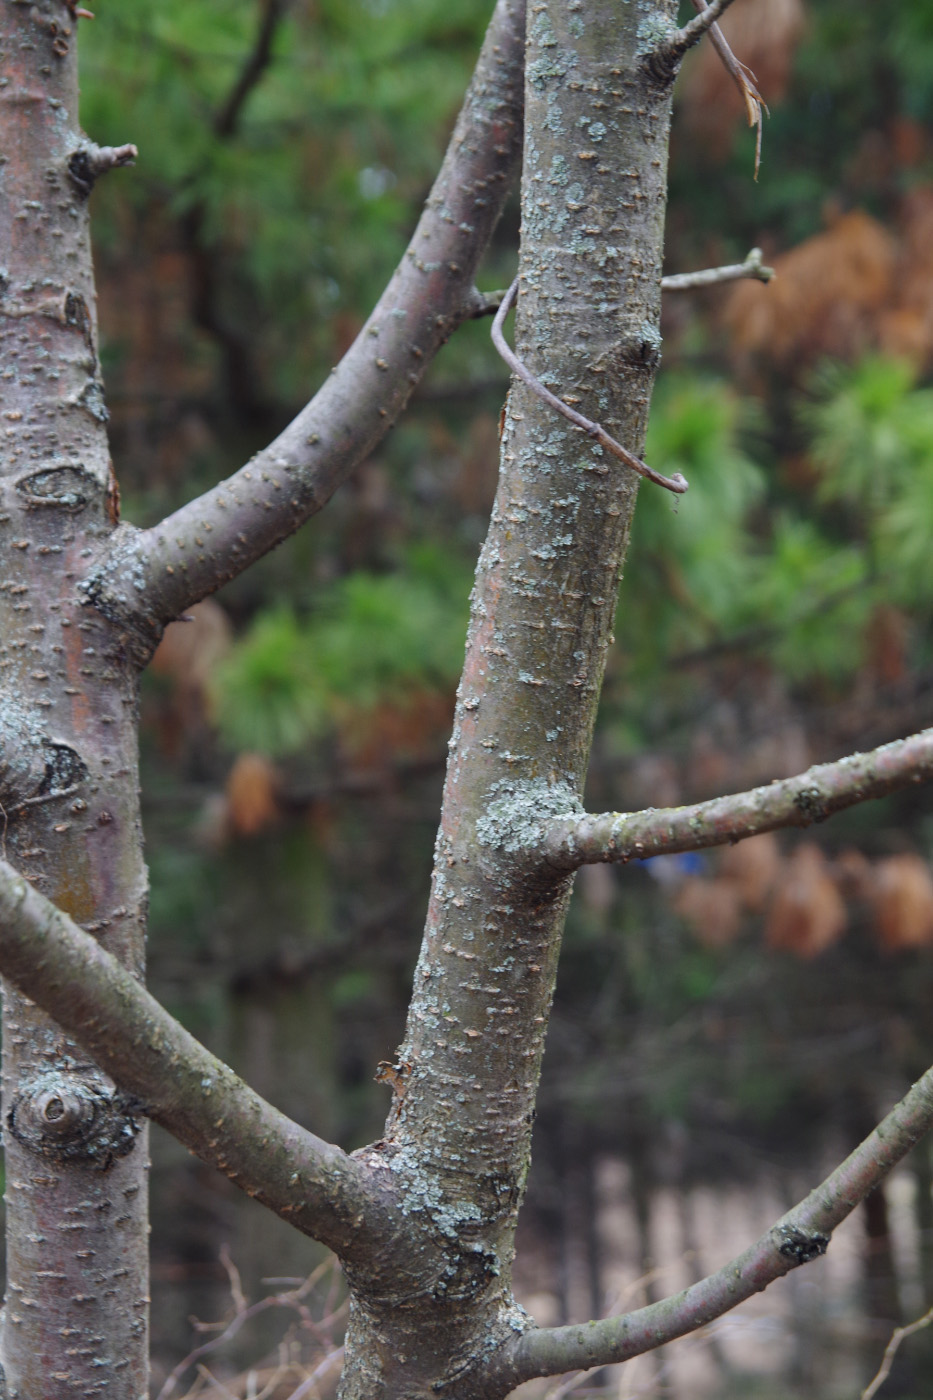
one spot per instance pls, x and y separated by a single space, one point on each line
543 604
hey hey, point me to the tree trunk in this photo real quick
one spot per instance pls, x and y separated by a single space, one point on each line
457 1143
75 1321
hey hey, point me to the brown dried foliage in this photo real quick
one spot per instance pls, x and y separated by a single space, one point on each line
805 897
752 867
856 287
252 795
901 897
807 914
412 725
712 909
826 299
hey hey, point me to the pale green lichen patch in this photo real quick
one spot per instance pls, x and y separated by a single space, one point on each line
516 818
653 31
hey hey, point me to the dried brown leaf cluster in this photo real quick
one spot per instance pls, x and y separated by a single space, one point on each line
807 900
857 287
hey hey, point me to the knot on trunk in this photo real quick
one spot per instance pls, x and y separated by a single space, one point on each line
33 767
72 1116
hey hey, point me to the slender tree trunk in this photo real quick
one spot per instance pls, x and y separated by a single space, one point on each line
458 1140
75 1321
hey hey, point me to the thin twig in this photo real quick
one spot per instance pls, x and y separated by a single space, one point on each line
752 267
243 1312
743 77
890 1351
319 1371
485 303
233 1275
676 483
217 1386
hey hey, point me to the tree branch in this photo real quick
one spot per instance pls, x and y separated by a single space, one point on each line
90 161
801 1235
255 64
744 79
667 55
676 483
687 281
145 578
572 841
180 1084
486 303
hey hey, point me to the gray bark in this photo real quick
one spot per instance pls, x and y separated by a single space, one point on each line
458 1140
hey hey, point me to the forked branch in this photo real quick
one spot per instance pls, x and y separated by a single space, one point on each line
799 1236
180 1084
572 841
145 578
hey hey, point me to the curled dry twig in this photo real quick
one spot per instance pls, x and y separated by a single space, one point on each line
755 106
676 483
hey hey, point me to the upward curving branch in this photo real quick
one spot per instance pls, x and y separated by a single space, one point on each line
144 579
180 1084
798 1237
826 788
